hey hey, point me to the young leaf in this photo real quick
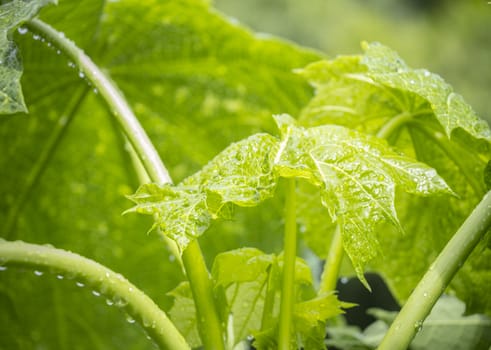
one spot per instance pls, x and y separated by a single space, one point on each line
449 108
242 174
251 284
359 175
310 317
12 15
417 112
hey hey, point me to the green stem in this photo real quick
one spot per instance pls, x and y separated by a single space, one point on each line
432 285
333 263
209 325
288 282
44 158
113 97
393 125
192 257
138 305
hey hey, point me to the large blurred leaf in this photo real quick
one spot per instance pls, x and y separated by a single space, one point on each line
418 113
190 75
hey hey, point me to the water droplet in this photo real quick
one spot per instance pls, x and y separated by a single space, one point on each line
80 284
95 91
109 302
22 30
120 302
130 289
130 319
60 277
412 81
426 73
71 64
425 294
38 273
96 293
36 37
344 280
418 326
58 52
81 74
172 258
3 268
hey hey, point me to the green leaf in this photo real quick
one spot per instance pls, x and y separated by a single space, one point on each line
12 15
445 328
310 317
241 174
359 175
251 282
449 108
183 314
181 212
420 115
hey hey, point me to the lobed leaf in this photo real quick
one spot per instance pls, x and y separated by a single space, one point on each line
241 174
358 175
12 15
420 115
452 112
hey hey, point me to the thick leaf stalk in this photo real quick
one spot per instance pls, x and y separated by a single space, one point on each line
149 157
288 282
410 319
104 281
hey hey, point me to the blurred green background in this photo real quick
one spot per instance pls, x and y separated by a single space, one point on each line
451 38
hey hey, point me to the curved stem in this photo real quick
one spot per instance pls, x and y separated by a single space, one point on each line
288 282
113 97
107 282
193 258
393 125
44 158
437 278
333 263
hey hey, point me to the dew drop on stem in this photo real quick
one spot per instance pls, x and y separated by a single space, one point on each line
38 273
130 319
60 277
22 30
3 268
96 293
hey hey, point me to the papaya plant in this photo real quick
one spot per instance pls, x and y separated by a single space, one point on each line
254 159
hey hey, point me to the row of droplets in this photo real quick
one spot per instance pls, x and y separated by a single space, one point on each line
114 301
37 37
